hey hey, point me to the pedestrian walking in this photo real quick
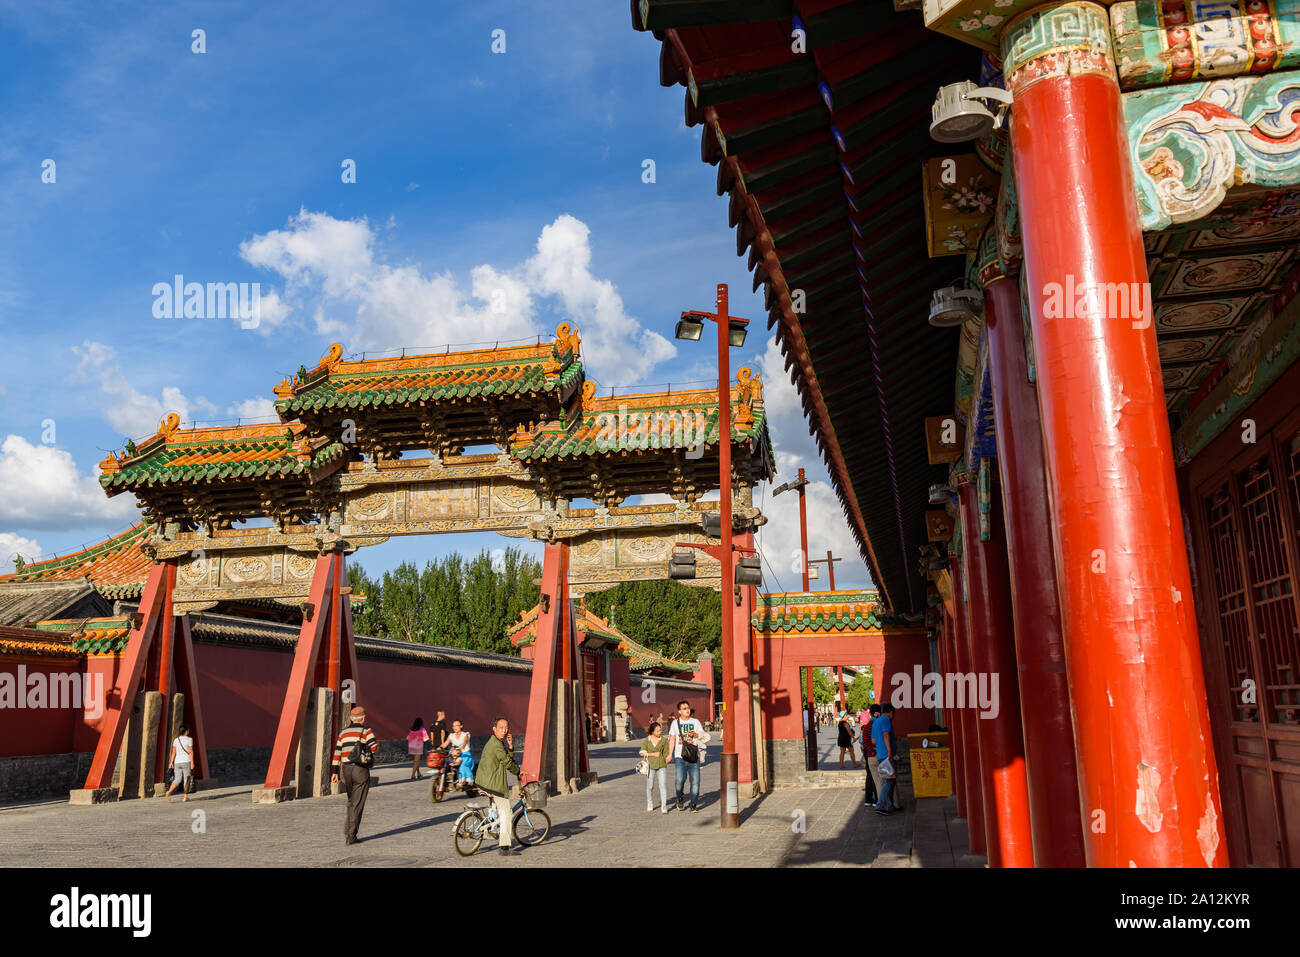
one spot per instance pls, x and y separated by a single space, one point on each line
182 764
654 749
685 737
869 757
882 730
846 741
415 740
354 753
462 755
496 760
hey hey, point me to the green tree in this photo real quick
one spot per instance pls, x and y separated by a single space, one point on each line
675 620
859 690
824 689
483 603
405 613
370 620
442 584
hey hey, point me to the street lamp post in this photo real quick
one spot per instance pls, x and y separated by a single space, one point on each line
731 332
810 732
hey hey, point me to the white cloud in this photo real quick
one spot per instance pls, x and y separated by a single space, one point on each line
44 490
794 448
334 261
11 545
130 412
259 408
612 340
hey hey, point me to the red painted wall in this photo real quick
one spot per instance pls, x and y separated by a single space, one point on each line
243 690
779 661
620 682
665 699
46 730
395 693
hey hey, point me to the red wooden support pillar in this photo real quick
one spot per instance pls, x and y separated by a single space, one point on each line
1148 779
1040 646
121 698
160 673
187 683
576 677
301 674
839 674
739 703
993 657
555 650
952 718
148 662
969 737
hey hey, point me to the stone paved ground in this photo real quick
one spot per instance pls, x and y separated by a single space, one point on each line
606 825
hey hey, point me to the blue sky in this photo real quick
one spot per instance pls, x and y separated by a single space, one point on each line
518 173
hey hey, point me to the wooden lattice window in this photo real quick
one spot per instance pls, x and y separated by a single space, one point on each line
1234 617
1264 538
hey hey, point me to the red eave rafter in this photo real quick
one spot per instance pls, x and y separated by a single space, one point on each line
795 339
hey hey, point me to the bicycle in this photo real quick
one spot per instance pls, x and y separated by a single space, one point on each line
530 824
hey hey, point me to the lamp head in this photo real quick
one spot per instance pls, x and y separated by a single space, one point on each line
953 305
690 326
958 115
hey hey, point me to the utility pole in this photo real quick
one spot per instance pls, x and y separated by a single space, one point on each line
810 706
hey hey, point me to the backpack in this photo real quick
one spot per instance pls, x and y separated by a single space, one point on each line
360 755
690 751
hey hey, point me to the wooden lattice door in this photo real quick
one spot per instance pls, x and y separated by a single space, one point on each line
1249 513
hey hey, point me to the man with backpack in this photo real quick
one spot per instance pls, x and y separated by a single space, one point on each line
354 754
685 738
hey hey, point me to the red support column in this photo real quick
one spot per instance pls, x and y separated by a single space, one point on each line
1126 596
993 657
121 698
969 738
1040 647
554 637
332 665
163 649
952 718
740 705
304 668
187 683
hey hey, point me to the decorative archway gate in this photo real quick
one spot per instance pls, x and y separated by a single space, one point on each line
331 478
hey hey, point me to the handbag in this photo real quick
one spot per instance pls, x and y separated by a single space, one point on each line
643 766
887 768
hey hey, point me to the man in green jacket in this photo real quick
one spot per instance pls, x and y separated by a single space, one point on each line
493 764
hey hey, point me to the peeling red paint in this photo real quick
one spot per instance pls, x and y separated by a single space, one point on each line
1148 798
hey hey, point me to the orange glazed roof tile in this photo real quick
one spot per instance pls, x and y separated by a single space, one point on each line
28 642
220 453
524 632
116 566
336 383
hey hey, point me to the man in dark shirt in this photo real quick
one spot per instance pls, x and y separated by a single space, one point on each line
438 732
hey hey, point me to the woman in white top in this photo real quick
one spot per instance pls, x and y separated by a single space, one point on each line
181 762
459 741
